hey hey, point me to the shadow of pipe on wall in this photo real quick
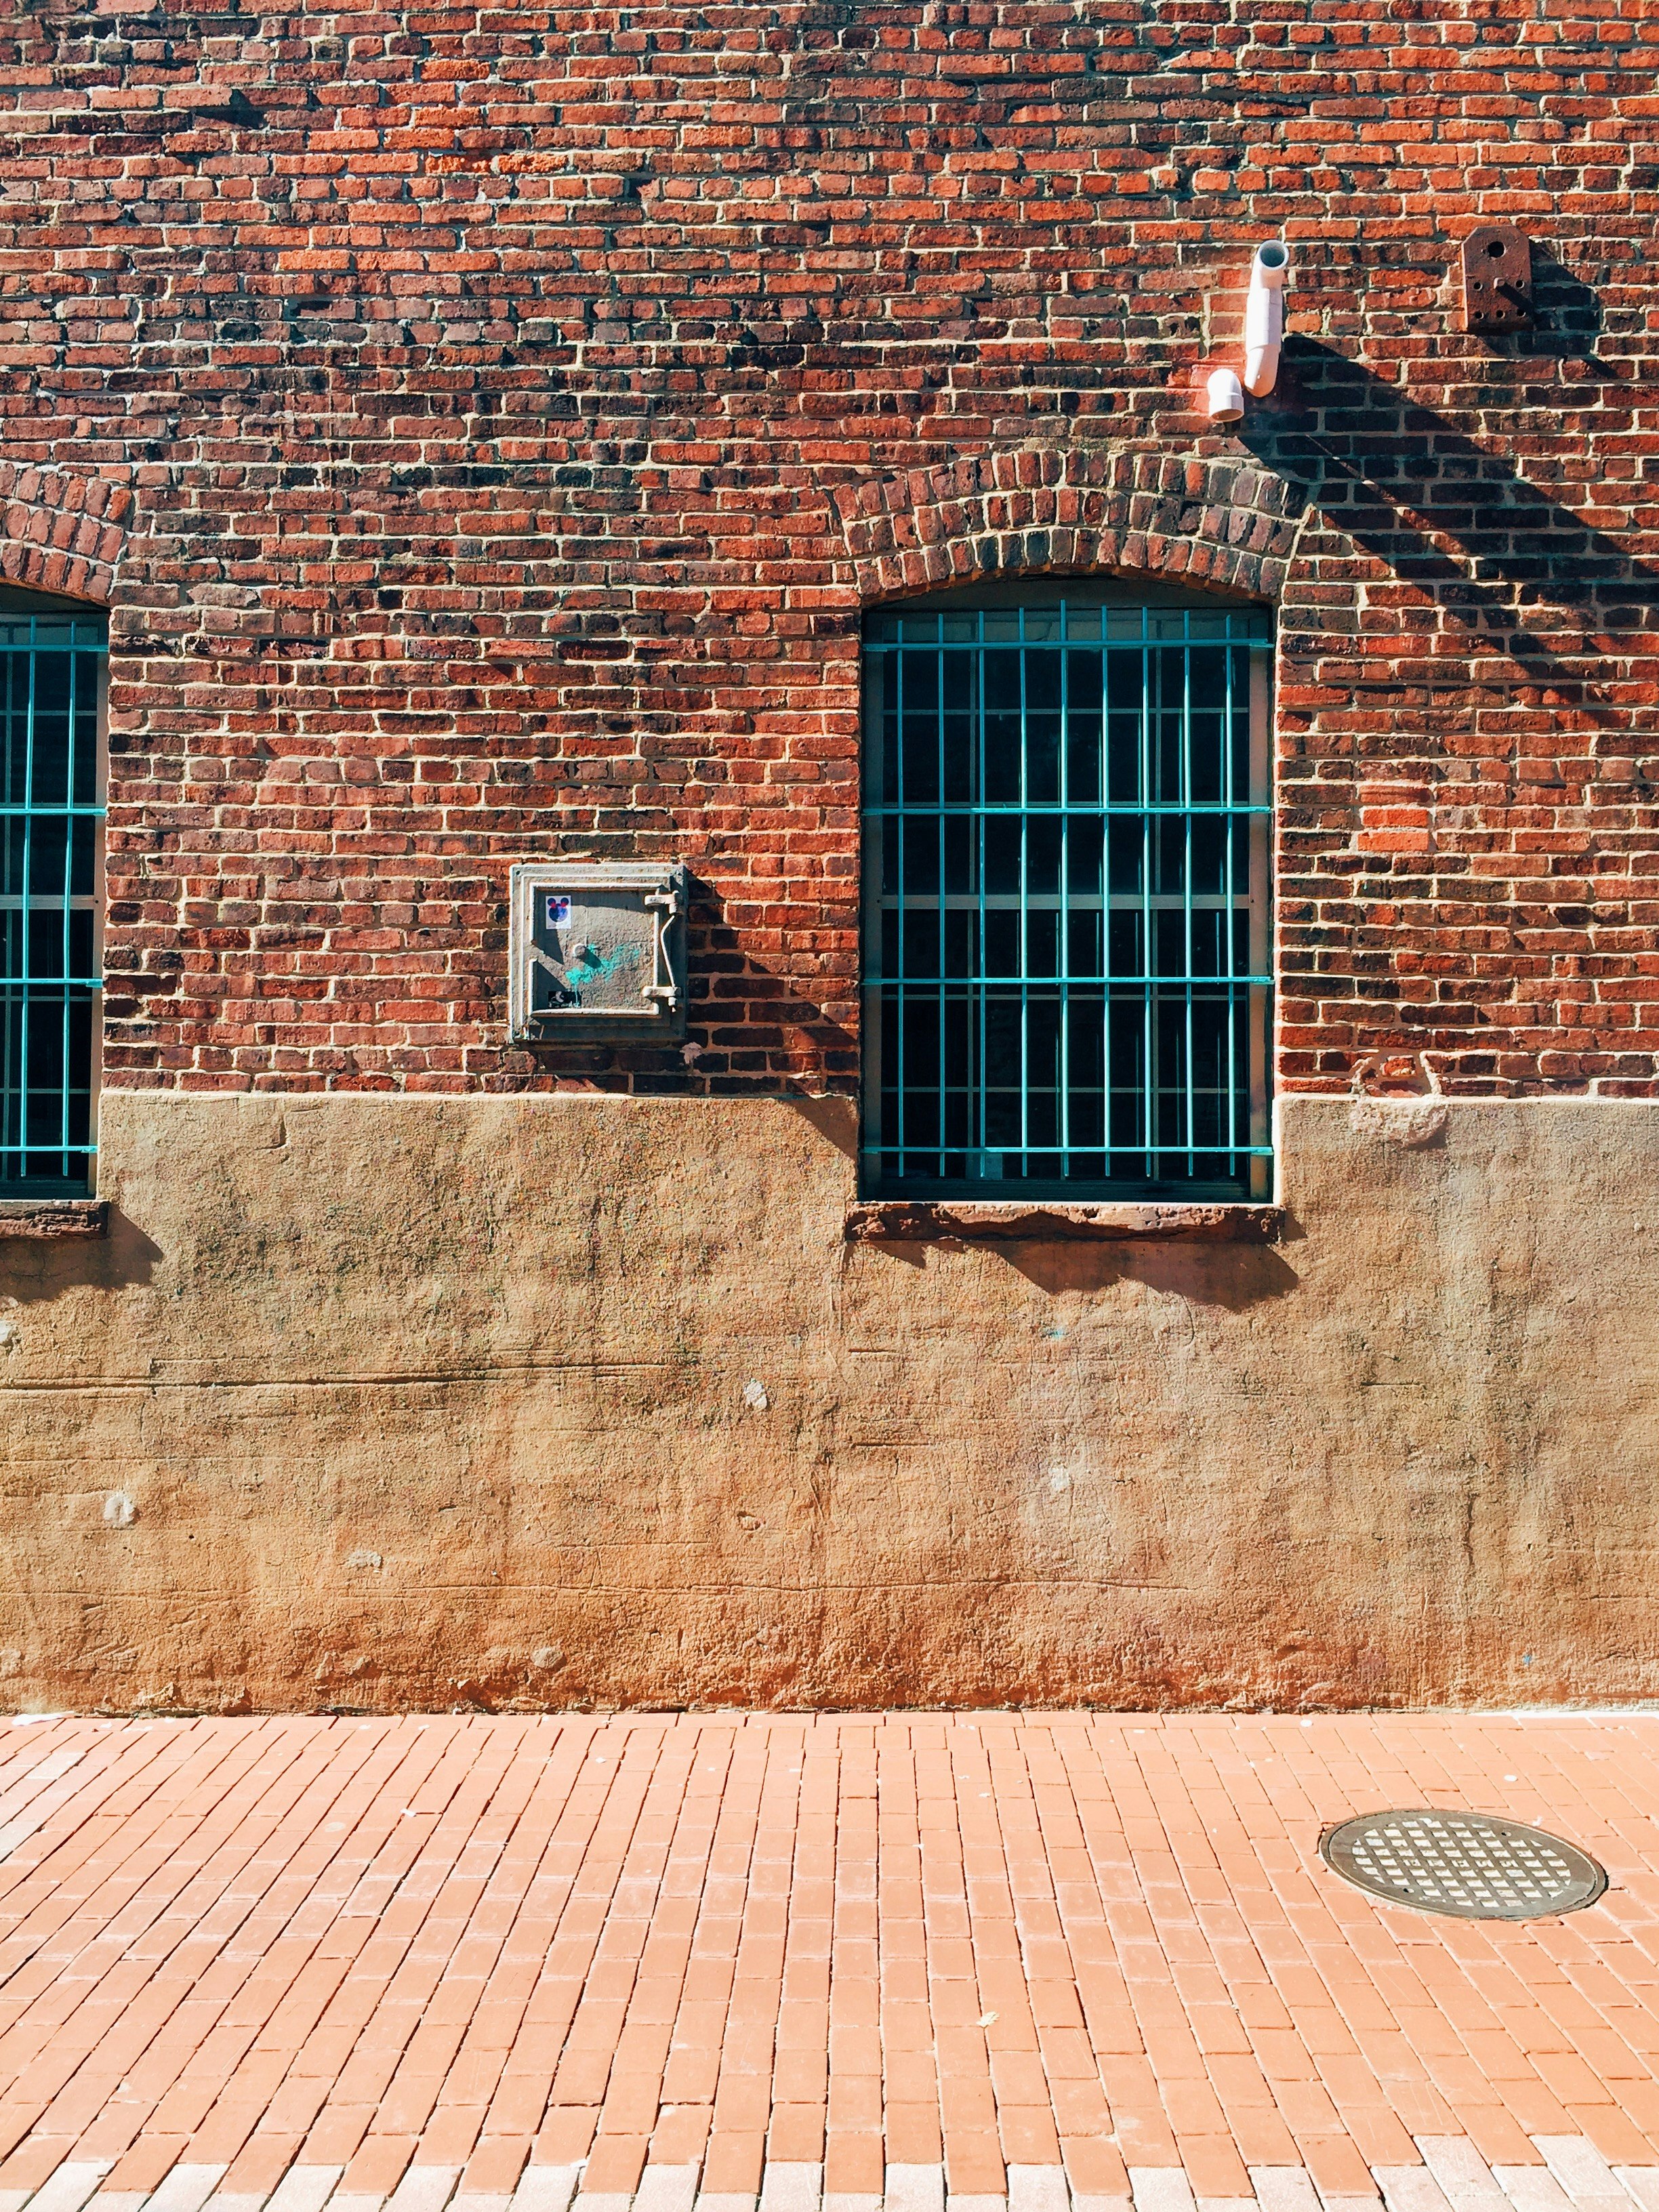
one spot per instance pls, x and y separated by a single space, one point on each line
1541 586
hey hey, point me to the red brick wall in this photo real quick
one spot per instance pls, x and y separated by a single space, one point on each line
516 404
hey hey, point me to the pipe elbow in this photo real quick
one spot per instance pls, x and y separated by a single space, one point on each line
1261 368
1264 316
1223 396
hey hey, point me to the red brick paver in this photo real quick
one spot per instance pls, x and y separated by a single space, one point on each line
1024 1960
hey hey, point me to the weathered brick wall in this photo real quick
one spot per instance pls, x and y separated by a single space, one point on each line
508 407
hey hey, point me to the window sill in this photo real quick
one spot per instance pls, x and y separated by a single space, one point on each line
54 1216
972 1221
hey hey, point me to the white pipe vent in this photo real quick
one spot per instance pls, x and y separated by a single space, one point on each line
1264 316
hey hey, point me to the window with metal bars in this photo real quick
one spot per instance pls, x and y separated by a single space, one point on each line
1066 967
51 671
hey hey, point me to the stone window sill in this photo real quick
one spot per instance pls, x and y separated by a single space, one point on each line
54 1216
972 1221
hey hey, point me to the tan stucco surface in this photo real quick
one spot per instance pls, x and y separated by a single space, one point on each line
422 1402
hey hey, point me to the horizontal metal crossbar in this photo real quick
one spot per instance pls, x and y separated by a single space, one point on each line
905 978
47 807
1128 1152
1048 901
1090 810
1113 627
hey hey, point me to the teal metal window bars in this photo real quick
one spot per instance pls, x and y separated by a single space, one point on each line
1066 956
51 685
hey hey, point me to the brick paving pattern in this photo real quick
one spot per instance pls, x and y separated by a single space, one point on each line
493 1963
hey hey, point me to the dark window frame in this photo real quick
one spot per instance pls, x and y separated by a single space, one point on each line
1066 894
53 764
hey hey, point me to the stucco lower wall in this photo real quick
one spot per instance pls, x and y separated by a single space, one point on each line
425 1403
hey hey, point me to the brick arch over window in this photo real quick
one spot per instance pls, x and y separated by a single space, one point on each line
1230 526
61 533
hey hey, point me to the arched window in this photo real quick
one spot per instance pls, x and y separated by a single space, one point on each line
52 659
1066 946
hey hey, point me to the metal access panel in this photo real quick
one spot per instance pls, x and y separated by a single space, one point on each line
598 952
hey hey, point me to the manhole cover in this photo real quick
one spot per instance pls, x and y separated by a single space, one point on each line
1471 1865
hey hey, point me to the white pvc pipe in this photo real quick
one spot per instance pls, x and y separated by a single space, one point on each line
1223 396
1264 316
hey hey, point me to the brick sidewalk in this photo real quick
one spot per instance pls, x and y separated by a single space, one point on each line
297 1962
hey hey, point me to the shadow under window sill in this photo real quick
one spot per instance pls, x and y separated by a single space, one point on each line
968 1221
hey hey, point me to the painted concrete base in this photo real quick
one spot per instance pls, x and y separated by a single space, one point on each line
378 1403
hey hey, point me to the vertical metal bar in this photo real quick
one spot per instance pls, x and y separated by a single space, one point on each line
1107 997
1025 910
1186 773
981 1068
1062 901
974 917
901 863
1229 907
25 1056
872 901
941 907
1150 785
1261 963
69 840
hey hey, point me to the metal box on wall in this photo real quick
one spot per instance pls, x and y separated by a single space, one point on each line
597 952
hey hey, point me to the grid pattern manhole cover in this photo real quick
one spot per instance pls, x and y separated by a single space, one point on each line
1471 1865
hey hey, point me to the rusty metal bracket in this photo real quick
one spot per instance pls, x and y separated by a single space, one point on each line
1496 279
